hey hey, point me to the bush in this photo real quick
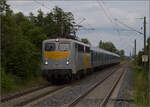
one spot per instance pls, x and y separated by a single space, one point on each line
7 82
24 61
138 69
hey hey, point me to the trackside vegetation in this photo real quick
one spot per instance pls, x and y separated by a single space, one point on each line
21 43
141 88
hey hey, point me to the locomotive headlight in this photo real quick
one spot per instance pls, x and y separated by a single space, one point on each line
67 61
57 40
46 62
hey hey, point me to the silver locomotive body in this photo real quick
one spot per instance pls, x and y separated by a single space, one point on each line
64 58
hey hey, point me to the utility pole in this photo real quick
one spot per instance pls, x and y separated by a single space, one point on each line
145 35
130 53
62 27
135 51
145 42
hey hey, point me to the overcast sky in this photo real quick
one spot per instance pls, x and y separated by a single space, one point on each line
100 16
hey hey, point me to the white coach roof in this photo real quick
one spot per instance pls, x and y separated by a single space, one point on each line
103 51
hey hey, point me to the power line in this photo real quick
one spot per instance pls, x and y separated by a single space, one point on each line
131 29
128 26
42 4
111 19
105 12
125 24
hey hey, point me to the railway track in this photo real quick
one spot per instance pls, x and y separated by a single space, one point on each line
29 96
26 97
106 99
18 94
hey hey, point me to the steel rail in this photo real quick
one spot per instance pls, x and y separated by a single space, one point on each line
73 103
18 94
106 99
39 96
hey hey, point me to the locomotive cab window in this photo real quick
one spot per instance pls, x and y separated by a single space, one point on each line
50 46
64 47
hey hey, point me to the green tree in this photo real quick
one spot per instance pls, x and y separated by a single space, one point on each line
56 22
101 44
4 7
32 18
108 46
64 21
84 40
121 52
21 45
40 18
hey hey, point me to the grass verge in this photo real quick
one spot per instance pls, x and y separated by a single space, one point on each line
12 84
141 88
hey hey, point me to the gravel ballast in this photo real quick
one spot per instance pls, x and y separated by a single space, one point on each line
66 96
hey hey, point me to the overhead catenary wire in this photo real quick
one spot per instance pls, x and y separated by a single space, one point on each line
42 4
104 11
115 19
110 18
116 23
128 26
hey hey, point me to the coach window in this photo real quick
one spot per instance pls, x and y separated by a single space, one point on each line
50 46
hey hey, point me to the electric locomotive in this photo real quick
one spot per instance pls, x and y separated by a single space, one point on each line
66 59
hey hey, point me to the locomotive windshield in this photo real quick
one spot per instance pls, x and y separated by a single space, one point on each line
64 47
50 46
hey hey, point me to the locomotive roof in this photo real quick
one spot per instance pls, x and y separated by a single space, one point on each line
69 40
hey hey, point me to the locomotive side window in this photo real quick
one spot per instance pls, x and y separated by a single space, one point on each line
87 49
50 47
64 47
79 47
